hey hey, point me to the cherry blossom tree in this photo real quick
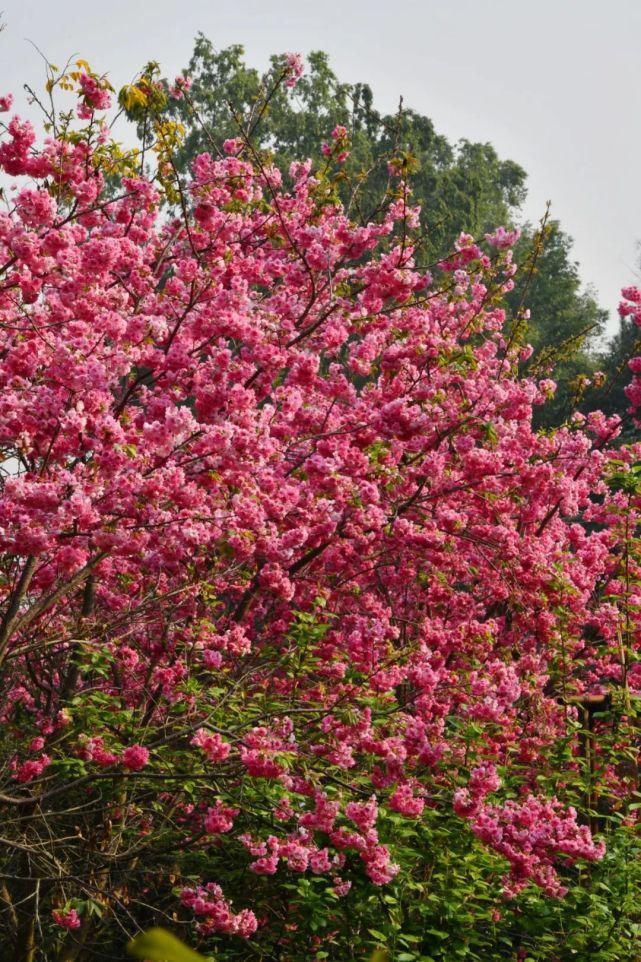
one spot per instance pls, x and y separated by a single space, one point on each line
288 577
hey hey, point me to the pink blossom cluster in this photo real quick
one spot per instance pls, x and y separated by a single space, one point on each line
338 149
95 96
295 66
208 902
532 835
135 757
262 748
406 802
31 768
212 745
67 919
180 87
219 818
93 749
502 238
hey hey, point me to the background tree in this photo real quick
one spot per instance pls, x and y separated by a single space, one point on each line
566 321
464 188
614 360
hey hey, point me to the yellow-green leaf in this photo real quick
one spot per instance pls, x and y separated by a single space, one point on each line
379 955
158 945
132 96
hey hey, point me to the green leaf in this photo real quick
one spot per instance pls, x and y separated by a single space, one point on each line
158 945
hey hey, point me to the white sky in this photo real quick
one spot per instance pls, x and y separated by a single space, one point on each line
553 84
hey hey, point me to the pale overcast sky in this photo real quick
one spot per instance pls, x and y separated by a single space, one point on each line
553 84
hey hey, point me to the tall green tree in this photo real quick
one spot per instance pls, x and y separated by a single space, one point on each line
613 361
467 187
565 319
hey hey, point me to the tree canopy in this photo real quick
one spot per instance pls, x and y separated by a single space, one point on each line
311 641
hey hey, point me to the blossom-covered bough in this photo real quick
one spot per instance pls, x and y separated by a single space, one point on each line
285 567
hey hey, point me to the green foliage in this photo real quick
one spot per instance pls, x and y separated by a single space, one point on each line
565 320
446 902
443 906
613 361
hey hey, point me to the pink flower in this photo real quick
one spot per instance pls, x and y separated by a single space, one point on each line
181 86
303 484
297 855
319 861
68 920
265 865
295 67
378 865
341 887
220 818
135 757
531 835
502 238
208 901
405 802
33 768
103 757
363 814
324 815
484 780
275 579
6 103
632 294
260 764
212 745
36 208
94 92
212 659
232 146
